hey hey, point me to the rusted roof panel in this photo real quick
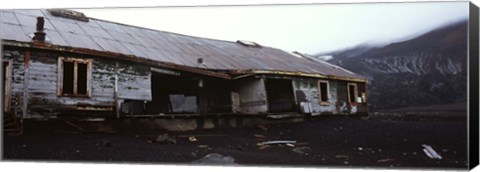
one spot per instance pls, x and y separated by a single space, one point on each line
160 46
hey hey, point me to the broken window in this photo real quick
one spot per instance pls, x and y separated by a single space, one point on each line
352 92
74 76
323 91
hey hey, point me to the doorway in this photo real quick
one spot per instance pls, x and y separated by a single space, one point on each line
173 95
280 95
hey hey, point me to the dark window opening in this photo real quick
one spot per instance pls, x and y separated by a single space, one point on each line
323 92
82 78
351 93
68 77
75 77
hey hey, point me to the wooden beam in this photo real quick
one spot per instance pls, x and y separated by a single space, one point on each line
115 92
25 84
75 77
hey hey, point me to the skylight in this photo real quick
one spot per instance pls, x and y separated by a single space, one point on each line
248 43
68 14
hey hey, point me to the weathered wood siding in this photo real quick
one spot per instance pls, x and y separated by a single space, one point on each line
306 90
16 80
43 100
41 80
253 98
134 82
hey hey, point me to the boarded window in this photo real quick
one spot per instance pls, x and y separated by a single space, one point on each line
352 92
182 103
74 76
323 91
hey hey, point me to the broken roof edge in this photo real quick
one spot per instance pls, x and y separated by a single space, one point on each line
113 55
244 73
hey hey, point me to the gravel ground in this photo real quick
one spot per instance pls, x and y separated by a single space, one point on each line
378 141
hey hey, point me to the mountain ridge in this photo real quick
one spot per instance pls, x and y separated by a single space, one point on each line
429 69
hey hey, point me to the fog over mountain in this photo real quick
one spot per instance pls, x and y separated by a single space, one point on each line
430 69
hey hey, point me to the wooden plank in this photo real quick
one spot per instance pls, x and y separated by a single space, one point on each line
25 87
7 86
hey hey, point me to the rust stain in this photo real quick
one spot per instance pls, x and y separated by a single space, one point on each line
314 75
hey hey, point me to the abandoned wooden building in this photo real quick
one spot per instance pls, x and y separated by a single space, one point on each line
60 63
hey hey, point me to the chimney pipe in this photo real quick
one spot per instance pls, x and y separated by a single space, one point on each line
39 35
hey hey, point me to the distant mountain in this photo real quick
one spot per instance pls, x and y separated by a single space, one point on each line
430 69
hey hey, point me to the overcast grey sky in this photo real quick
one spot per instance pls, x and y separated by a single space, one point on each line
305 28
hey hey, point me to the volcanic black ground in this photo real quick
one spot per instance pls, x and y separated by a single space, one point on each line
377 141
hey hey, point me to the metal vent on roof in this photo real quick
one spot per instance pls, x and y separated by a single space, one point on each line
249 43
68 14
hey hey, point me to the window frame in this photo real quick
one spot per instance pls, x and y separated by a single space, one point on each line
325 103
355 93
60 70
7 85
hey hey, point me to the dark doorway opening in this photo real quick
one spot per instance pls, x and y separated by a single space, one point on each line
173 95
280 95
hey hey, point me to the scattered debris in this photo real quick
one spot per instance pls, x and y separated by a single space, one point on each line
75 126
165 139
176 154
291 145
215 158
386 160
202 135
301 150
341 156
259 136
263 146
360 148
430 152
104 142
262 127
277 142
202 146
192 139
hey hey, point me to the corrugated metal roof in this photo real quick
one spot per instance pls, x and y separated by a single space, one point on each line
102 35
